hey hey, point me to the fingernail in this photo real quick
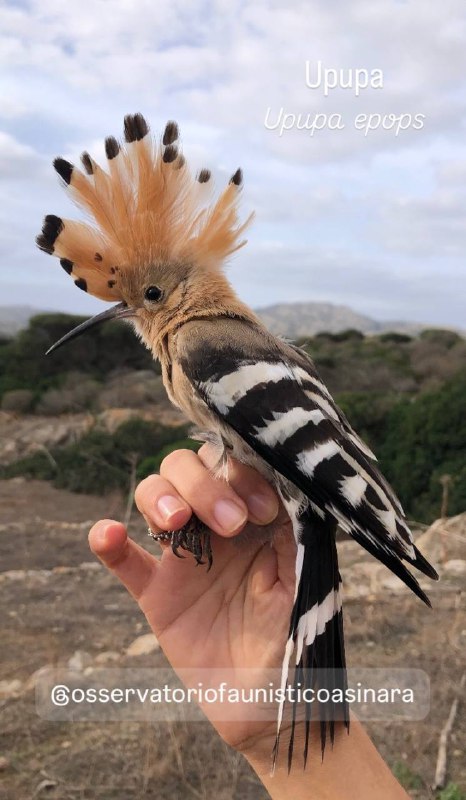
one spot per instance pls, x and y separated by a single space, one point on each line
229 515
263 507
169 505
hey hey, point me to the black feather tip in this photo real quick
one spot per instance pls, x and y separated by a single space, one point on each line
64 169
51 229
237 178
135 128
112 148
204 175
67 265
170 133
170 153
87 163
81 284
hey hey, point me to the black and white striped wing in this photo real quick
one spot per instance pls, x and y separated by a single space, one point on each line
286 414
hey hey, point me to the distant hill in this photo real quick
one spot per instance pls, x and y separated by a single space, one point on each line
15 318
306 319
293 320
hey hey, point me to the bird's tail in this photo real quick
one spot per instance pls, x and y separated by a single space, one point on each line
316 643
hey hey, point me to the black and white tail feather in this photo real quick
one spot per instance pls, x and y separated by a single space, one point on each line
275 402
315 639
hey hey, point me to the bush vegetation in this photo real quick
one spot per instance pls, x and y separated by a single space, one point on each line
24 365
101 461
404 396
417 440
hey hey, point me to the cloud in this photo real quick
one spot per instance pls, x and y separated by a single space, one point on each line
17 160
370 286
429 225
378 218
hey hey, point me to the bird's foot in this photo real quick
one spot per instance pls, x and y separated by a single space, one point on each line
194 537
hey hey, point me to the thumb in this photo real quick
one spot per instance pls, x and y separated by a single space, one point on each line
133 565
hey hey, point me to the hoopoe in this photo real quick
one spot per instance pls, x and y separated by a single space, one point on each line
157 245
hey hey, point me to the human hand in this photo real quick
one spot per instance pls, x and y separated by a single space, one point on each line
234 616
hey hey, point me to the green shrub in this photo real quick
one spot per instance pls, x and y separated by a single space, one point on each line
425 438
24 365
325 361
452 792
152 463
37 466
146 438
100 461
394 337
349 334
405 775
69 400
132 389
446 338
367 414
18 400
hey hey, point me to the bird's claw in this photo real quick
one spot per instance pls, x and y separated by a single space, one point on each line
194 537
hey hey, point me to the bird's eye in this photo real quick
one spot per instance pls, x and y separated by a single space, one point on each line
153 294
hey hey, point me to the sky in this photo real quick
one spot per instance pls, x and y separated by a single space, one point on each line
359 190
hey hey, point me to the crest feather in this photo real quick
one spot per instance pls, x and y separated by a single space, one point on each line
146 207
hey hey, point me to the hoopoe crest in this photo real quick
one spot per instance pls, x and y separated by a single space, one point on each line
146 209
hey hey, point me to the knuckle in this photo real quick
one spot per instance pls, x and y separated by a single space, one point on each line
175 460
203 487
146 486
247 476
208 454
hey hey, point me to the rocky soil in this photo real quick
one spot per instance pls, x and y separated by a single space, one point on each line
60 607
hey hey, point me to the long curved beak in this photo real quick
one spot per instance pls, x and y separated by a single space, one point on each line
120 311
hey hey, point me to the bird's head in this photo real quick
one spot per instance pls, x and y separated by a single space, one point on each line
157 242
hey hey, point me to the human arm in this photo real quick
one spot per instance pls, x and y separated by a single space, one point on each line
234 616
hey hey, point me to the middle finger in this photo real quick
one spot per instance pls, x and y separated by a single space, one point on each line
213 501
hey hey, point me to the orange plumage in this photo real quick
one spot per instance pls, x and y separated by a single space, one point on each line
148 207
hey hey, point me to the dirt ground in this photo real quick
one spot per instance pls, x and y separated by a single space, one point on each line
64 603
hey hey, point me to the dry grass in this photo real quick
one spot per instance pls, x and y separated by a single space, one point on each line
47 617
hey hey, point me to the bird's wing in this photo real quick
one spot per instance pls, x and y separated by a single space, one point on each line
279 406
307 364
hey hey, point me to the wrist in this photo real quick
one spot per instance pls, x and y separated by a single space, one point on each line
351 769
300 781
258 749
